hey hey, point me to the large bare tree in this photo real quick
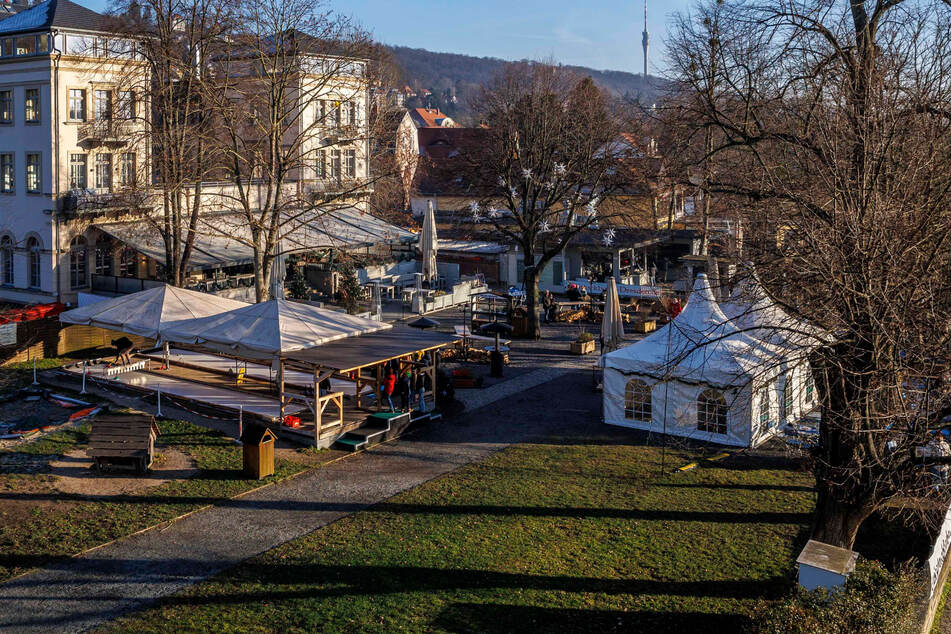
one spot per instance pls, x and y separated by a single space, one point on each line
830 126
551 151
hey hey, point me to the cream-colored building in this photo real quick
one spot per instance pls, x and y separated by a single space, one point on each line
73 141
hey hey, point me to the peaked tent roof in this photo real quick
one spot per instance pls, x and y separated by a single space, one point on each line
700 345
147 312
54 13
753 312
271 328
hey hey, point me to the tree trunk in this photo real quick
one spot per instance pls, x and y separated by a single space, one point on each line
531 300
836 523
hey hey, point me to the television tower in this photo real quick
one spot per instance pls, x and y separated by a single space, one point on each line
645 39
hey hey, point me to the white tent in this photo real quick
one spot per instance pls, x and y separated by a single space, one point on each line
697 377
147 312
269 329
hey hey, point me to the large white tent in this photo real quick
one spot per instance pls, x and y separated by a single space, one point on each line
697 377
270 329
147 313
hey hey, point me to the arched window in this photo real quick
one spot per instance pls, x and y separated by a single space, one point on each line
6 259
33 261
711 412
637 400
810 387
78 263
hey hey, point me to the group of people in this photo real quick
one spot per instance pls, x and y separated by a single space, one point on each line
409 383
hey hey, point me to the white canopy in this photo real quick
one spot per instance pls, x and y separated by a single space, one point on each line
700 345
147 312
753 312
272 328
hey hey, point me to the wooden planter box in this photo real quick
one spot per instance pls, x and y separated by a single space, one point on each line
582 347
645 326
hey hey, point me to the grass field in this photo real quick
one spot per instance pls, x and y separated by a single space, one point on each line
39 524
540 537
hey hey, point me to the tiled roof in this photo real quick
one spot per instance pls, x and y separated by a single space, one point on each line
54 13
428 118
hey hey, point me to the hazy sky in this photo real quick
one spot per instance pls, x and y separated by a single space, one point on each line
602 34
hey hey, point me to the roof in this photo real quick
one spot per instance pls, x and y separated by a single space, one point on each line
701 346
827 557
270 329
430 118
147 312
63 14
346 355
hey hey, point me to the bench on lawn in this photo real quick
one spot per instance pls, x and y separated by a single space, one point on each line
123 440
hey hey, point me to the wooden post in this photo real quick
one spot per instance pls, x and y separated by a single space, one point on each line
317 406
359 386
280 385
379 387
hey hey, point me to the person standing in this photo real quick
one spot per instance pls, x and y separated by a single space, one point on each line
419 386
406 390
389 384
653 274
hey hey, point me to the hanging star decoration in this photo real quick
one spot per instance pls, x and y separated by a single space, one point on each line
544 227
559 169
476 213
503 182
608 237
494 213
592 207
527 174
514 192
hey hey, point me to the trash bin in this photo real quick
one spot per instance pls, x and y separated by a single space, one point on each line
257 442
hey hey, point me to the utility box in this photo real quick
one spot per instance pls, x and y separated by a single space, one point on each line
825 566
258 445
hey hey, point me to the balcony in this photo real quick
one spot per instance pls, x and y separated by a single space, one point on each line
80 201
112 132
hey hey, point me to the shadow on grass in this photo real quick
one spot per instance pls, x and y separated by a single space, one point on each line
476 617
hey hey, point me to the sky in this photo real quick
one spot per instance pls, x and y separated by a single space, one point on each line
601 34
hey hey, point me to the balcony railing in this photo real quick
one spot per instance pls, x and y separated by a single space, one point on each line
106 132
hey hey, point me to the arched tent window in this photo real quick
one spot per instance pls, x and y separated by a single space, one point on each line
711 412
78 263
33 261
6 259
637 400
810 387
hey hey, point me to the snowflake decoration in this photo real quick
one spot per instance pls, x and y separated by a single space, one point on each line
560 169
527 174
474 208
548 185
544 227
514 192
503 182
608 237
592 209
494 213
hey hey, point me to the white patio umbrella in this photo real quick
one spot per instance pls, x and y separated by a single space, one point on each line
427 244
612 328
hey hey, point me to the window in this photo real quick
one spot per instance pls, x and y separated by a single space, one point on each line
351 109
787 409
320 169
6 106
350 163
334 164
7 181
104 171
128 262
26 45
77 104
764 407
33 260
103 105
77 171
77 262
6 259
127 169
637 400
7 47
810 387
43 43
31 105
104 250
557 272
34 182
126 105
711 412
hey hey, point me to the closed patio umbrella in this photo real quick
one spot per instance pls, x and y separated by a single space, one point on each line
423 323
427 244
612 328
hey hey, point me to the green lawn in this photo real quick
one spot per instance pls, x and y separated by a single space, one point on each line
39 524
540 537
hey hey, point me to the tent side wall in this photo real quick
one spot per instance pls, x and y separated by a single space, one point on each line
677 401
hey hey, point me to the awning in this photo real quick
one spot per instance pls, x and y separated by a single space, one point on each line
224 239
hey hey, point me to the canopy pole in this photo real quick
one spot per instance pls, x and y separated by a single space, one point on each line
166 355
317 407
280 383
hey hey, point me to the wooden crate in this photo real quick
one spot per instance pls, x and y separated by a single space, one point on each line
645 326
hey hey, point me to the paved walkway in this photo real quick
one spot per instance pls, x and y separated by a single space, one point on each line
81 593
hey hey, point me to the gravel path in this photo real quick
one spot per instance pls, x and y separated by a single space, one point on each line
81 593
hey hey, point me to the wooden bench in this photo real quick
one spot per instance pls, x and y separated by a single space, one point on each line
123 440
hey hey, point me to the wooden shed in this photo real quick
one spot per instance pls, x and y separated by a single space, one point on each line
123 440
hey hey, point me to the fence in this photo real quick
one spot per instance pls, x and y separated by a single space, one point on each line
936 570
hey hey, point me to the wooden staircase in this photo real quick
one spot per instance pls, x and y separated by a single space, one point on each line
381 427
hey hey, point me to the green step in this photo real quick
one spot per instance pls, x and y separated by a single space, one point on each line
351 441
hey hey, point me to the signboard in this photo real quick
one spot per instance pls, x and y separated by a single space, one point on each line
939 553
623 290
8 334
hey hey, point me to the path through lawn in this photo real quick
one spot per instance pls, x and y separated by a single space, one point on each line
540 537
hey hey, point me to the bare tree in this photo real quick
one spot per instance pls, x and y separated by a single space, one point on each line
290 99
551 152
830 125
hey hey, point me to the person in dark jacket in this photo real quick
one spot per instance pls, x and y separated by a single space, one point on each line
123 346
405 389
